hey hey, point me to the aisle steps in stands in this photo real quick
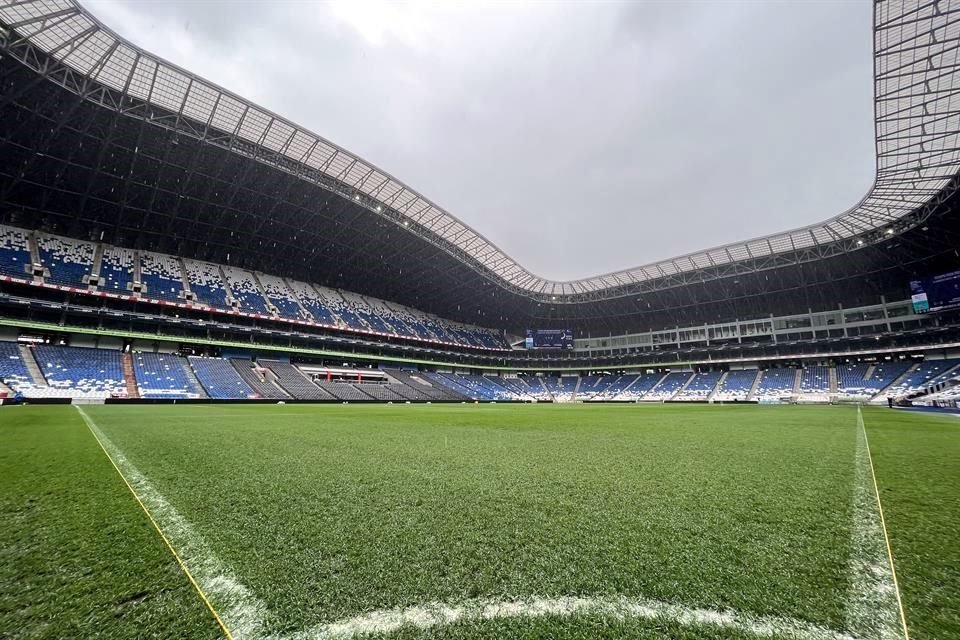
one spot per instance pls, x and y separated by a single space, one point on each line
576 389
228 291
137 271
899 380
303 310
34 252
129 379
5 389
635 380
756 383
718 386
682 387
192 377
869 373
95 267
834 385
546 389
263 294
797 383
184 280
26 354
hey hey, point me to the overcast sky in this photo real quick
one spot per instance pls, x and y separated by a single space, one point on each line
580 138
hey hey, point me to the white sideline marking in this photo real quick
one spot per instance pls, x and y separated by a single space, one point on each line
245 615
873 609
242 612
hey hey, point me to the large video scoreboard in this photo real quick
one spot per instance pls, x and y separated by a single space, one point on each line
549 339
936 293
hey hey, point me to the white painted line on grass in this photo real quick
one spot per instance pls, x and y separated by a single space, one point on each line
244 615
874 608
439 614
241 612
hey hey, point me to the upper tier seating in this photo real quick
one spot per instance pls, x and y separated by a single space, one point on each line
313 303
81 372
775 384
13 371
14 253
245 291
701 386
927 374
281 297
161 375
362 309
116 270
669 386
815 381
736 386
295 382
67 262
164 277
206 283
334 301
219 378
161 277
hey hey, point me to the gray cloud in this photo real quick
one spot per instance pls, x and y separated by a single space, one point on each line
580 138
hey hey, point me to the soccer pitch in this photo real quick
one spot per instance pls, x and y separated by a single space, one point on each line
303 522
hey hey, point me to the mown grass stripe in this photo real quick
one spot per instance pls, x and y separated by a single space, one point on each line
95 432
883 526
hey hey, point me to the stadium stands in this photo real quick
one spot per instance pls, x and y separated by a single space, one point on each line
281 297
116 270
815 384
346 391
617 386
246 292
775 384
14 252
161 277
13 370
261 380
66 262
667 387
167 278
219 378
863 381
206 283
161 375
295 382
927 374
700 387
561 389
313 303
736 385
80 372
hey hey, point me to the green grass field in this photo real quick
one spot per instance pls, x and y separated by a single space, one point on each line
460 521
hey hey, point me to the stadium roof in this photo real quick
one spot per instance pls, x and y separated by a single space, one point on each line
917 111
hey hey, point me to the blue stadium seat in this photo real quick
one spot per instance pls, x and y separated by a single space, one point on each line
79 372
14 253
161 375
67 262
220 380
161 276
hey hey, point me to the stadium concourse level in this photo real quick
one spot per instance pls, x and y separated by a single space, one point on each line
96 268
47 371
